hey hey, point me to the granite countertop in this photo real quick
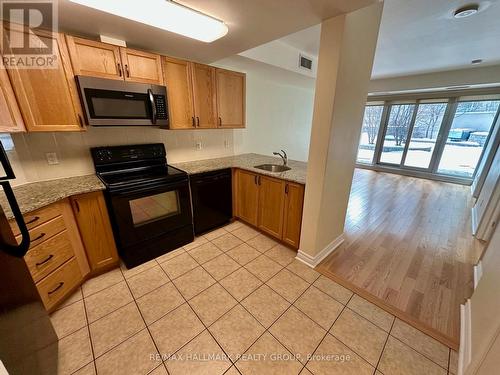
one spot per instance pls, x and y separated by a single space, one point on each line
247 162
35 195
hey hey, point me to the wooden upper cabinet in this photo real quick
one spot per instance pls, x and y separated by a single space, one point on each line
247 196
205 106
294 201
180 93
95 229
10 116
97 59
141 66
271 202
92 58
47 98
231 88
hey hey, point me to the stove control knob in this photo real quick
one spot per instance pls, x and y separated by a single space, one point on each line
104 155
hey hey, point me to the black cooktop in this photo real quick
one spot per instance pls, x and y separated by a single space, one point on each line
134 165
142 176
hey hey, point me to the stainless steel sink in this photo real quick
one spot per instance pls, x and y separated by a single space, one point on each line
273 167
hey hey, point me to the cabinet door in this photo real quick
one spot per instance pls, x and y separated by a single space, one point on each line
141 66
47 98
294 201
247 195
180 93
204 96
10 116
96 59
271 202
95 229
230 99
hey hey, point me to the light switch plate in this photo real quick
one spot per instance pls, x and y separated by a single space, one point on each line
52 158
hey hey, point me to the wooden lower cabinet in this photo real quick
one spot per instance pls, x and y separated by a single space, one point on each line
247 196
270 204
46 257
70 240
55 287
292 213
56 258
95 230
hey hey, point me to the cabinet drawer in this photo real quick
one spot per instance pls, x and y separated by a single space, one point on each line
47 230
59 283
47 256
35 218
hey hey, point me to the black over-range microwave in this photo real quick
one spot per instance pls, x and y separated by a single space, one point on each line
109 102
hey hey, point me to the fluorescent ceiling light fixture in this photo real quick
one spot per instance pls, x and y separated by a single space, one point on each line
165 15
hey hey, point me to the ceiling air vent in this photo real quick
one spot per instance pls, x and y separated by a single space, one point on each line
305 62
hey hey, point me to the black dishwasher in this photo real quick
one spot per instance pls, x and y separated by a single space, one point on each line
212 200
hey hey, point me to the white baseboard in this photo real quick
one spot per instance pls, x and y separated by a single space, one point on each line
478 273
464 351
474 220
314 261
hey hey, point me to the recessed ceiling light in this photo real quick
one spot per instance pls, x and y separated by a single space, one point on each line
163 14
466 11
476 61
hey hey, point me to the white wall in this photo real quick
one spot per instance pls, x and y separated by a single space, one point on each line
279 117
485 311
282 55
279 110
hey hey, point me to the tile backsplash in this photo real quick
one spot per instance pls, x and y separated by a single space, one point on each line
29 159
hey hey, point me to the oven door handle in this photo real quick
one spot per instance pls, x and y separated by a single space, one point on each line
17 250
153 106
162 187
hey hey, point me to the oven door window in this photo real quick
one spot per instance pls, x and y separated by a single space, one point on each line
108 104
154 207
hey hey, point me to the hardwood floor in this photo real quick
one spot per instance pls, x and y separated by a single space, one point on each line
409 249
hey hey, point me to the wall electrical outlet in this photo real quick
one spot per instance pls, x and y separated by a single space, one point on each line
198 145
226 143
52 158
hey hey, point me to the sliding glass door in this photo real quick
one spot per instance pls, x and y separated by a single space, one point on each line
469 132
396 134
369 133
432 136
424 135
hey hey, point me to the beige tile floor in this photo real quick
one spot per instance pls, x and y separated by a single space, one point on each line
235 302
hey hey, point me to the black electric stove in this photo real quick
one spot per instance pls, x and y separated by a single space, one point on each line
148 200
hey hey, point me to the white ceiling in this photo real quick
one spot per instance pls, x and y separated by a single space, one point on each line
250 22
421 36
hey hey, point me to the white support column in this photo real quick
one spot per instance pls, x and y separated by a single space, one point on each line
347 49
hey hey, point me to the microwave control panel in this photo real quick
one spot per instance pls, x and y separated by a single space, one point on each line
161 107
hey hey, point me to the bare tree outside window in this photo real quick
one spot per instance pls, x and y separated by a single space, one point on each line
371 122
429 120
399 122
